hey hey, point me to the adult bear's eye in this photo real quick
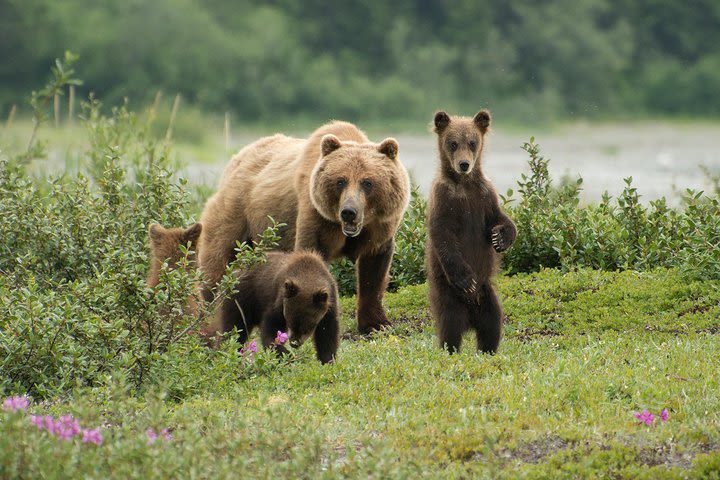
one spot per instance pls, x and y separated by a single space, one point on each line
453 146
341 182
366 185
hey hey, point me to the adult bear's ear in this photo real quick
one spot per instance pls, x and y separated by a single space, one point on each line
389 147
329 144
442 120
193 233
482 120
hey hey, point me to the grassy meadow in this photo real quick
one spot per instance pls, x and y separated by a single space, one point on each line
582 353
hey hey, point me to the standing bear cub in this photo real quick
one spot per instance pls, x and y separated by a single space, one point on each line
290 292
466 231
337 193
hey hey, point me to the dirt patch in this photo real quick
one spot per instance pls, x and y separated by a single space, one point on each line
669 456
403 325
528 334
537 450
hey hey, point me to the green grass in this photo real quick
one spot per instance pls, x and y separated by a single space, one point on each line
581 353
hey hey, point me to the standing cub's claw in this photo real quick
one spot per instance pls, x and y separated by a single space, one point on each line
467 285
498 242
470 291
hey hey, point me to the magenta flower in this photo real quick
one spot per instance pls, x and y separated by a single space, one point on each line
38 421
645 417
92 436
13 404
50 424
152 435
67 427
252 348
281 338
664 415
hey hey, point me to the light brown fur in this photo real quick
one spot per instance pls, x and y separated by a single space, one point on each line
165 248
295 181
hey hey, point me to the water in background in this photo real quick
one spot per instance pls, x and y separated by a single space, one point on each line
662 158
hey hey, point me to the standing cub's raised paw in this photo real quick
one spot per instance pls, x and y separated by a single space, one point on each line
499 239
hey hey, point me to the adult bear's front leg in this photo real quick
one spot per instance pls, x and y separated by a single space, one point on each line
372 279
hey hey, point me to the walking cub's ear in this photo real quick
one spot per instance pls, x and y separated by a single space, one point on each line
482 120
290 289
442 120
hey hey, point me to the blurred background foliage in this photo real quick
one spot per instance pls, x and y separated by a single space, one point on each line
281 60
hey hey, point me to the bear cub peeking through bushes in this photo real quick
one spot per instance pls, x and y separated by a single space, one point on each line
165 247
466 231
290 292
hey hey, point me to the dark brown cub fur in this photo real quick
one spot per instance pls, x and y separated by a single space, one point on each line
290 292
466 231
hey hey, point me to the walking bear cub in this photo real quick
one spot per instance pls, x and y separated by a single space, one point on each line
466 231
290 292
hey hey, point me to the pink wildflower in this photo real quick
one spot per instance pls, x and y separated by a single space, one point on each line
38 421
281 338
92 436
13 404
252 348
67 427
152 435
645 417
664 415
50 424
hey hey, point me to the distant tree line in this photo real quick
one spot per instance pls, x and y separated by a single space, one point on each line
526 59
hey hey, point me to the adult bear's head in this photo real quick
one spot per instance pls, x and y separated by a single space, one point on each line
357 184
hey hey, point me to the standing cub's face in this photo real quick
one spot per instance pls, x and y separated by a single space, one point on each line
354 184
461 139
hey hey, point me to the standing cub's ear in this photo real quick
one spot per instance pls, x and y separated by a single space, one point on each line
329 144
389 147
482 120
193 233
442 120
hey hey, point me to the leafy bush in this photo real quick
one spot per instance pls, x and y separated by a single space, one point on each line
555 231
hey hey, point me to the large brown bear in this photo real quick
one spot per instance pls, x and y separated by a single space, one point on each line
466 231
291 292
338 194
